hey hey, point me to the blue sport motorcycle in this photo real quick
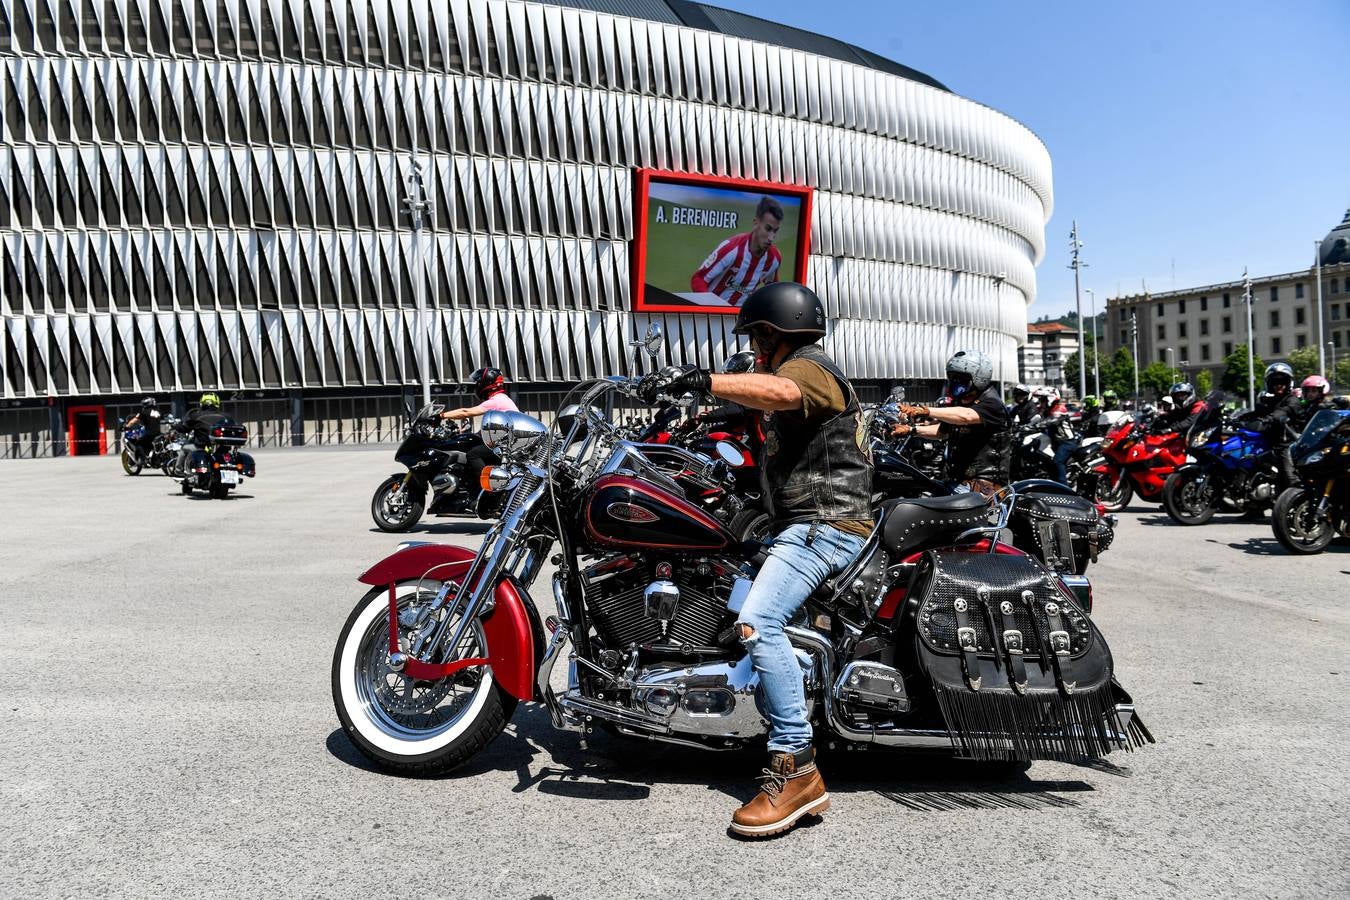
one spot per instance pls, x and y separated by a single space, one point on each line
1234 470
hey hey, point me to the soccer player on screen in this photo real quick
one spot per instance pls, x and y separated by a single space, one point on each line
745 262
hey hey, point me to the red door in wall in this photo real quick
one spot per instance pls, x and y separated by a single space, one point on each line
86 435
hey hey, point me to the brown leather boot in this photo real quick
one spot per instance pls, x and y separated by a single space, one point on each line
792 788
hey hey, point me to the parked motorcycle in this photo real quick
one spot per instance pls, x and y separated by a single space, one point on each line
435 453
1135 460
162 450
1233 469
1307 516
938 636
215 463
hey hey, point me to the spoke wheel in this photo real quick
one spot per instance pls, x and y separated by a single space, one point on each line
404 724
1298 523
1189 498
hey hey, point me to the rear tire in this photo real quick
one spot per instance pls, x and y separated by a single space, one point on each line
131 464
1297 523
394 518
364 687
750 524
220 491
1114 499
1186 501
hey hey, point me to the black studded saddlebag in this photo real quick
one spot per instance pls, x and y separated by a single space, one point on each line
1018 669
1062 529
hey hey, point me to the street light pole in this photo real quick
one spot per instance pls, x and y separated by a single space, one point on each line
1172 363
1074 245
418 208
1134 330
1317 265
1331 348
1096 356
1251 352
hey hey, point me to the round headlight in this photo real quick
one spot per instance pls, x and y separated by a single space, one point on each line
511 433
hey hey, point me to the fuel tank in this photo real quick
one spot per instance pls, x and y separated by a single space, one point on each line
623 511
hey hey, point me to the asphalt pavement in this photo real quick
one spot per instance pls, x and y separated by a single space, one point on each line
167 729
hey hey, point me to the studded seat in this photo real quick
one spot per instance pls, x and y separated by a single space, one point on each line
910 525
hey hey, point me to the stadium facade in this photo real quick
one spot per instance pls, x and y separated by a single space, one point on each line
210 194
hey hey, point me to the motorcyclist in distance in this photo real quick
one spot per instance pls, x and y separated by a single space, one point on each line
205 415
1277 415
198 422
974 423
1180 413
149 419
489 386
1317 397
1023 408
1090 424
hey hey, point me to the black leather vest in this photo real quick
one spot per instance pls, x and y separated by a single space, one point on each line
817 472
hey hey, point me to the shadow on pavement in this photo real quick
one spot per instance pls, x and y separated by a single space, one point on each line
1259 546
1223 518
612 767
476 526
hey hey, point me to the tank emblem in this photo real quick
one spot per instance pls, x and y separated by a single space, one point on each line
628 512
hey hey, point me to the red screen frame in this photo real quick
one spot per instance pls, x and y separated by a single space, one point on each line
641 186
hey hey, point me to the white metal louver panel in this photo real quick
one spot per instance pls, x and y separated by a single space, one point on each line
200 180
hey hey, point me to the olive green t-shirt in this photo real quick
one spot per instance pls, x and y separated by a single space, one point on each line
822 400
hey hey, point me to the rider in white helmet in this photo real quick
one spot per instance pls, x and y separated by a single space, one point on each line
975 423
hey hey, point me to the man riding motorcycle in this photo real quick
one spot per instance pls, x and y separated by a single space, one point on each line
1090 424
1184 410
1277 416
489 386
818 481
199 420
1023 408
974 423
150 420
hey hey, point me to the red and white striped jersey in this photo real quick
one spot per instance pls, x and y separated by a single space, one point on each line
732 272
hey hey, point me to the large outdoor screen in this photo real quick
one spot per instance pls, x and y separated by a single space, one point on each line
704 244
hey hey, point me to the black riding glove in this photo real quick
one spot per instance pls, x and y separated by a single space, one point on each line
675 381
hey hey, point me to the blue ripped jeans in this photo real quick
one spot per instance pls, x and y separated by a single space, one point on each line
794 569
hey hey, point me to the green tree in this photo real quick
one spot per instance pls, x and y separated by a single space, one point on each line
1118 373
1071 370
1341 383
1204 383
1235 370
1157 377
1304 362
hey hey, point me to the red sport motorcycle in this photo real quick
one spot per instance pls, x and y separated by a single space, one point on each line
1135 460
938 636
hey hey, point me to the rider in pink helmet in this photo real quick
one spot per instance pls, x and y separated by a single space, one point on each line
1317 396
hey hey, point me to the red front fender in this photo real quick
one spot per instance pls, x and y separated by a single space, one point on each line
511 628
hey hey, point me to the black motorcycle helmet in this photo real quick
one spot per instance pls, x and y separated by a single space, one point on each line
1279 374
786 307
1181 393
149 403
487 381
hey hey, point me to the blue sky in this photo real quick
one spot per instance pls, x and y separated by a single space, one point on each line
1193 138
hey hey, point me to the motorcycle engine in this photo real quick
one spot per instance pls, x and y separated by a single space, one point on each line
662 609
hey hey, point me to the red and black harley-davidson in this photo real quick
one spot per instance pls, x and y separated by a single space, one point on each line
938 636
